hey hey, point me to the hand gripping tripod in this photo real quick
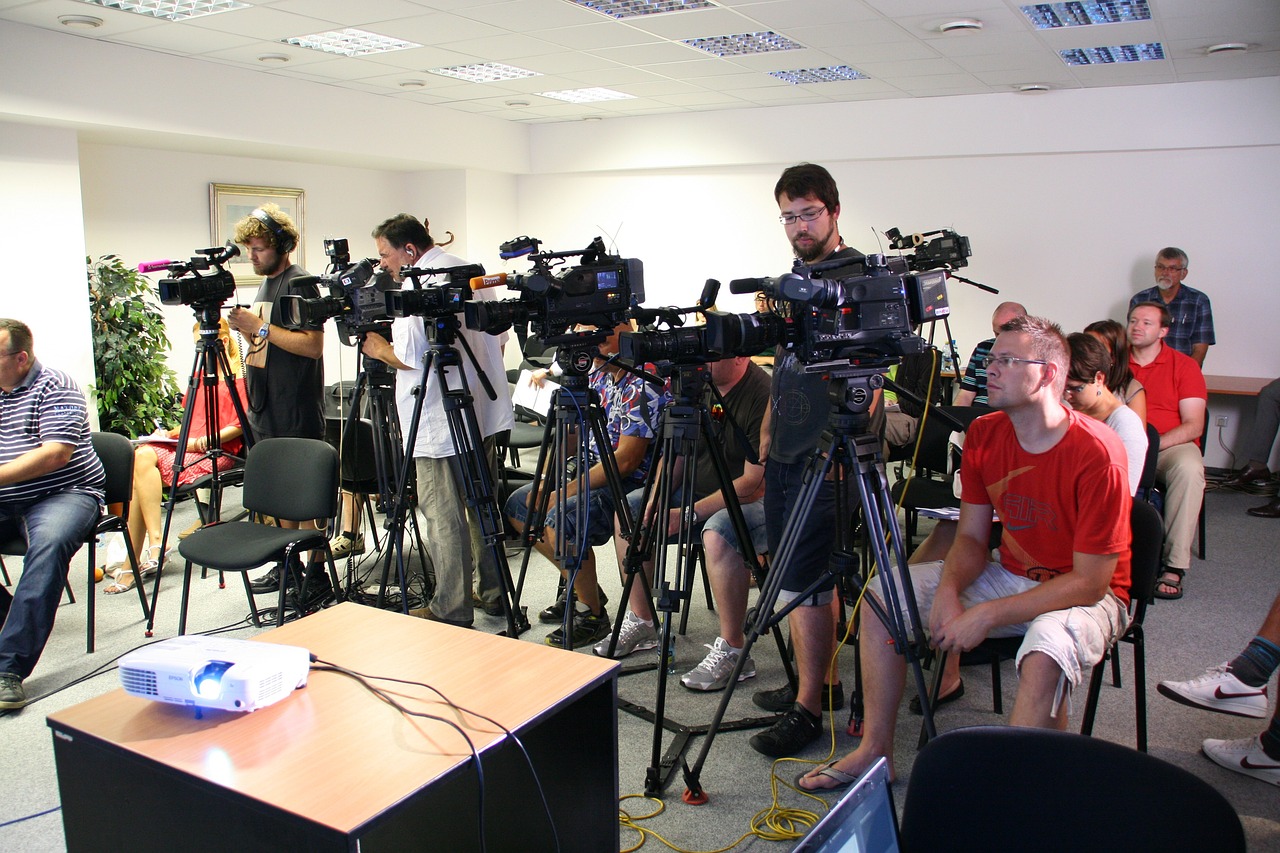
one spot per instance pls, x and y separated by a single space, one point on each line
209 366
471 471
576 419
685 423
852 455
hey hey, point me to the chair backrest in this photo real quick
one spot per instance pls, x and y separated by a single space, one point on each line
116 453
1144 552
356 449
1104 796
936 432
1148 480
295 479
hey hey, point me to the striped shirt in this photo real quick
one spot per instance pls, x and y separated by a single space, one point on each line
975 374
48 406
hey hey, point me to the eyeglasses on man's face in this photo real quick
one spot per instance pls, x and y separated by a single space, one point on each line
1163 268
1007 361
803 216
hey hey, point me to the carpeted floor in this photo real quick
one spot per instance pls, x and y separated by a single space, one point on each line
1227 596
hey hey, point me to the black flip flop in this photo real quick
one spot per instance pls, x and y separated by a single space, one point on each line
914 705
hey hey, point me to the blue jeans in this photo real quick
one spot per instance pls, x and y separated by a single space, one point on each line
54 529
817 537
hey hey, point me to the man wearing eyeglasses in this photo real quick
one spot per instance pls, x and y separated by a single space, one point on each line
1058 481
809 210
51 492
1191 315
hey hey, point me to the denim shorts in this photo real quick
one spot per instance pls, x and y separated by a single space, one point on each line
562 518
719 523
815 541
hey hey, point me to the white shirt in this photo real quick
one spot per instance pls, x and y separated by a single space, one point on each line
409 340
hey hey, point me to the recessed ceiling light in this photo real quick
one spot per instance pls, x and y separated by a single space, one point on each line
743 44
635 8
1227 47
80 22
586 96
1051 16
484 72
350 42
273 57
412 84
830 74
1108 55
961 25
171 10
1034 88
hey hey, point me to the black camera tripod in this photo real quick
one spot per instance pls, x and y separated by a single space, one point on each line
471 471
576 419
685 424
209 366
377 381
851 454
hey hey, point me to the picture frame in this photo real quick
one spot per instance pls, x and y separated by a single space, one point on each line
229 203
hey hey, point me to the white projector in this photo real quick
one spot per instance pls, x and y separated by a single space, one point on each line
215 672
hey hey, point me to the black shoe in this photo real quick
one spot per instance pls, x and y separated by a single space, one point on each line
270 582
319 591
491 608
794 730
914 705
1271 510
555 613
1247 475
784 698
12 694
588 629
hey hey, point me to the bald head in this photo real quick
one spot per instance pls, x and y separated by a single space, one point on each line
1005 312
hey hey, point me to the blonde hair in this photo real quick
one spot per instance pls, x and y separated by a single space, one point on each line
251 226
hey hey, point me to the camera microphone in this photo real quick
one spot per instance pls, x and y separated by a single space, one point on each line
153 266
483 281
749 285
303 280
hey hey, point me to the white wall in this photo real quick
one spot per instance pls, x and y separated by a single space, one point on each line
42 244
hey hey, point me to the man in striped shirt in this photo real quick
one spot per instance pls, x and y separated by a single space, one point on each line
51 493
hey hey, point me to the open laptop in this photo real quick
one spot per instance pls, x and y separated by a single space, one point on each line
862 821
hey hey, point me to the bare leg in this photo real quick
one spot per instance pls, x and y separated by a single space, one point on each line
812 629
933 548
638 600
1038 678
727 572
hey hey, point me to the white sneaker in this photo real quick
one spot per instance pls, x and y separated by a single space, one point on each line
1244 756
717 668
636 636
344 545
1218 690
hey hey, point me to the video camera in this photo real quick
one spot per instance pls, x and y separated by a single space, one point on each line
673 345
355 297
438 300
597 292
202 282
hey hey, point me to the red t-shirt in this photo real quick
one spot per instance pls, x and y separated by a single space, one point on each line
1074 497
1170 378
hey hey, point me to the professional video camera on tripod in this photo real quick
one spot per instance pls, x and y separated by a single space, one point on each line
849 318
577 310
205 284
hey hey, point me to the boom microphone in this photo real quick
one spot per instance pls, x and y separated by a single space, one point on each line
153 266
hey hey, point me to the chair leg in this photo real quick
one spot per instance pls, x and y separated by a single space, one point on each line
253 607
91 616
1091 701
1140 687
4 571
1115 670
1200 531
186 597
997 689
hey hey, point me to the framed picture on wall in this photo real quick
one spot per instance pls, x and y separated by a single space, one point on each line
229 203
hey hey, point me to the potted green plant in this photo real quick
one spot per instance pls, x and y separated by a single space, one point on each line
135 389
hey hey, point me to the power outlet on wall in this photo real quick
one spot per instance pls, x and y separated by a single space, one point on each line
1222 420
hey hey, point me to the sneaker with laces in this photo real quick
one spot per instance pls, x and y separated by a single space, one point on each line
12 694
717 668
636 636
1244 756
346 545
1218 690
794 730
554 613
587 629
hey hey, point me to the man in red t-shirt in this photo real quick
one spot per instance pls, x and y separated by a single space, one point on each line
1176 402
1059 483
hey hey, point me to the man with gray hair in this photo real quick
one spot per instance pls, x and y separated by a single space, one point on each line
1191 315
51 492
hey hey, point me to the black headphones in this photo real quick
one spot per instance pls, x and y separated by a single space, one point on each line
283 239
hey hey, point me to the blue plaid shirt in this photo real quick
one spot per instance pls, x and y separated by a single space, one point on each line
1192 316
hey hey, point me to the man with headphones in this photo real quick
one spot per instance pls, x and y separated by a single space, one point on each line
284 374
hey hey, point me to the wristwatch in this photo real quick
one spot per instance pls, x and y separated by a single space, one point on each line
263 331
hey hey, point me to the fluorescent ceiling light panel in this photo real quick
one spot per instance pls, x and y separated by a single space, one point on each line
350 42
484 72
171 10
1109 55
1051 16
829 74
586 96
635 8
743 44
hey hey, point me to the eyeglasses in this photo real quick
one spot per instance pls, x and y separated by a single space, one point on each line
1076 389
8 354
1007 361
1163 268
806 216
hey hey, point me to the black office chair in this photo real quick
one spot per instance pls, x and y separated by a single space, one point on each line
1148 540
294 479
1147 484
1200 523
358 473
969 791
116 454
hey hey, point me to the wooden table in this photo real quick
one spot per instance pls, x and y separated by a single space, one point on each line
1243 386
332 767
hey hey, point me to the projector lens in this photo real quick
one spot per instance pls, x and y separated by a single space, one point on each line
208 679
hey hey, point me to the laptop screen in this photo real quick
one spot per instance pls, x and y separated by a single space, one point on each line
862 821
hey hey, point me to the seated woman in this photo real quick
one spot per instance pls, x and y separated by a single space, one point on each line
1087 391
153 464
1120 379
